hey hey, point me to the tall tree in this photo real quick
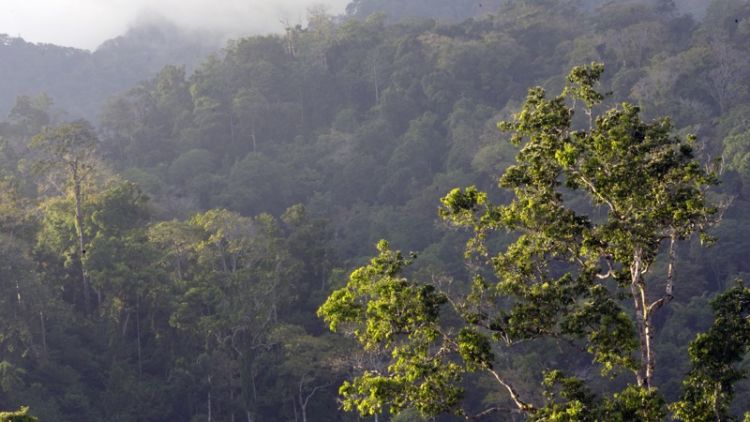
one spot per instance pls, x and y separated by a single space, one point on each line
597 200
644 178
69 151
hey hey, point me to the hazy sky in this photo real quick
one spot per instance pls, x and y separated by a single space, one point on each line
86 23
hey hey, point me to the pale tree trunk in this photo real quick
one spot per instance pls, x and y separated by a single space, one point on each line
643 323
304 400
377 86
231 128
78 197
644 309
18 293
650 352
44 333
178 262
125 323
209 398
278 281
302 105
250 415
290 47
231 400
138 335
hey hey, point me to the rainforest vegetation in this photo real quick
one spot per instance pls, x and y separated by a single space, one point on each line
569 183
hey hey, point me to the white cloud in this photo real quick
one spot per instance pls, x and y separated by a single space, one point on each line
86 23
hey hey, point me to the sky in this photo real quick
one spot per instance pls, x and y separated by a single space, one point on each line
87 23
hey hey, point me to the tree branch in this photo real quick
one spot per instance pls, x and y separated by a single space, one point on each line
637 291
610 271
489 411
668 288
522 405
303 403
598 195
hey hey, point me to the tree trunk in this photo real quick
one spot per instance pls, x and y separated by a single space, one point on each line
178 263
78 197
44 333
125 323
138 334
231 400
637 290
302 105
18 293
644 321
377 86
302 406
231 129
305 400
209 399
650 352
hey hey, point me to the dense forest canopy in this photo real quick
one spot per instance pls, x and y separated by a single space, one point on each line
165 259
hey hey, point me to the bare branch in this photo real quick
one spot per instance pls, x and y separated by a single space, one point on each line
489 411
669 287
598 195
721 208
307 398
522 405
610 271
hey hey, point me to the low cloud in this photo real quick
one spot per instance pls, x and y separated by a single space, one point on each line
87 23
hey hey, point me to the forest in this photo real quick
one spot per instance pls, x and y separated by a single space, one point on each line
445 210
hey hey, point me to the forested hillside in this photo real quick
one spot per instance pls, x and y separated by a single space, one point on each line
165 260
79 81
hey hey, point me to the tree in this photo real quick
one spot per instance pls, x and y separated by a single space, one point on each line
250 106
235 282
307 364
24 299
599 205
715 355
120 262
69 151
30 114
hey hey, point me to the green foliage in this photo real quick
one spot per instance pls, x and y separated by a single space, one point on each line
20 415
644 187
67 147
398 321
715 356
662 196
200 304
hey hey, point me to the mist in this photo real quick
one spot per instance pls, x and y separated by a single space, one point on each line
87 23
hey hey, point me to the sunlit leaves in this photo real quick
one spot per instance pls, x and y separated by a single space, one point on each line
716 355
389 314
